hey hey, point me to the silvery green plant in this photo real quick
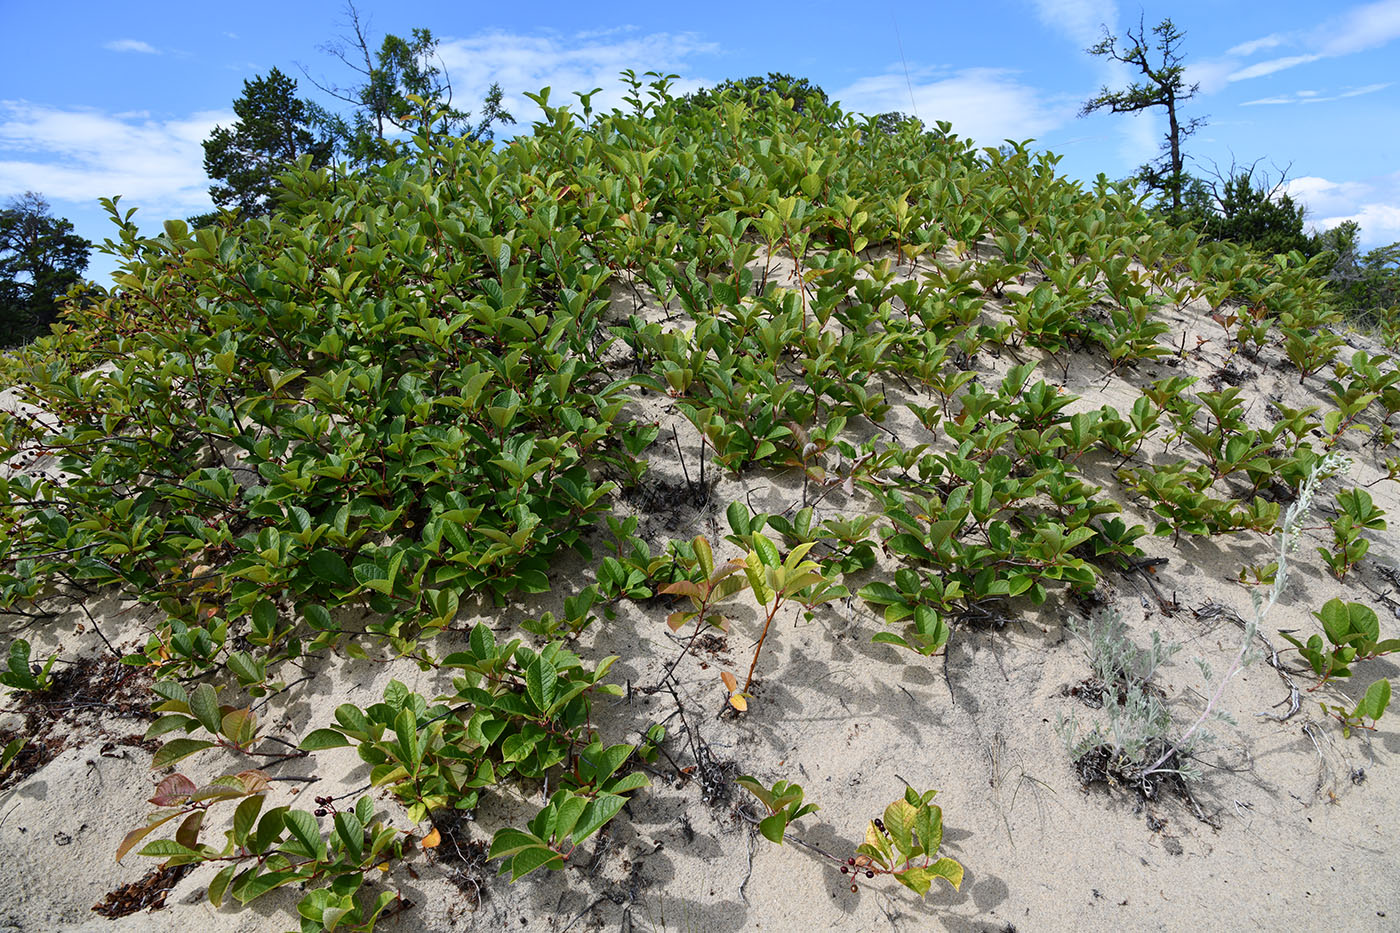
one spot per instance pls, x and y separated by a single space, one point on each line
1138 722
1134 744
1114 659
1288 537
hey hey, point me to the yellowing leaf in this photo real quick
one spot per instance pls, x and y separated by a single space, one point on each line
737 701
432 840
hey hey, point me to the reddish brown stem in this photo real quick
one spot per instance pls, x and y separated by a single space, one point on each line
777 602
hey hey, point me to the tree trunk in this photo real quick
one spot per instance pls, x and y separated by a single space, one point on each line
1174 135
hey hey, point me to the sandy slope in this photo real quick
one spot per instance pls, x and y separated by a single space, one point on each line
1295 827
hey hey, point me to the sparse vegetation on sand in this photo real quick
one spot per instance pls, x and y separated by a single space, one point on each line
434 501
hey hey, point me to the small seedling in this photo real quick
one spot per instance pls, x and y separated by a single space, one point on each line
1357 512
905 844
783 802
24 676
778 580
1371 707
1353 634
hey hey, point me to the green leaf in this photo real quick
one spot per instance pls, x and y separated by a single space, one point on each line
599 810
244 668
330 567
406 730
169 723
269 829
252 886
541 679
322 739
245 817
204 704
508 841
916 879
1377 698
169 848
351 832
738 516
303 827
949 870
881 594
532 858
766 550
567 815
773 826
219 885
264 616
899 823
177 749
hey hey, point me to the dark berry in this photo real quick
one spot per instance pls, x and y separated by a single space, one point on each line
869 874
844 869
320 811
854 889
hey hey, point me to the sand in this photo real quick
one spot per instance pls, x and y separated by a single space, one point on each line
1292 825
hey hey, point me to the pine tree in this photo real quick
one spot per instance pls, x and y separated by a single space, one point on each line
274 128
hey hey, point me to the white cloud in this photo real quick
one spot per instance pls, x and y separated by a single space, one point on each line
131 45
1380 223
81 155
1211 74
1246 49
1357 30
987 104
1323 196
1365 27
1081 20
1317 97
1373 203
523 63
1261 69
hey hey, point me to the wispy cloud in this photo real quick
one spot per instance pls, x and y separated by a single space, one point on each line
1365 27
1317 97
1246 49
1357 30
1081 20
580 62
1271 66
986 104
81 155
131 45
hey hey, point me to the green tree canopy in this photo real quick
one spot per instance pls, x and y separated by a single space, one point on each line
274 129
403 87
1243 208
41 258
803 93
1366 284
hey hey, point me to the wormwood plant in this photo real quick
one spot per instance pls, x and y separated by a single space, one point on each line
1136 746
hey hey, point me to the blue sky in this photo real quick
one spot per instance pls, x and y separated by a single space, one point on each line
114 98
